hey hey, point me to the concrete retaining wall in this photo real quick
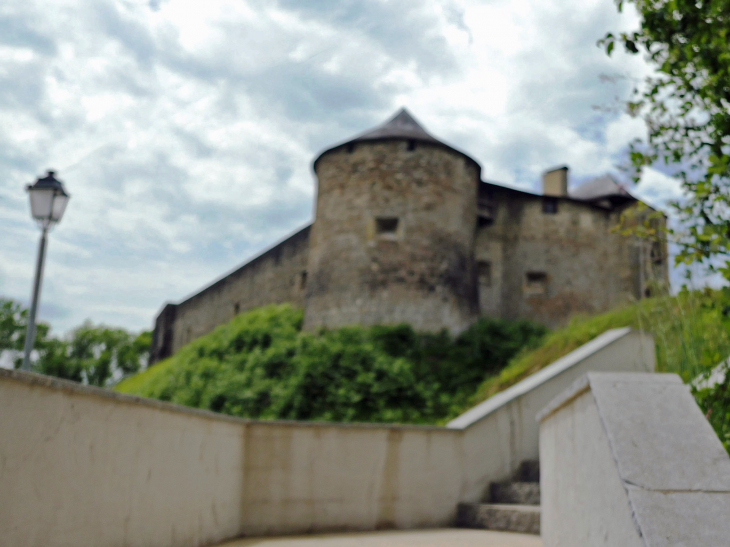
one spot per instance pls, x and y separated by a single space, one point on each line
502 431
628 460
85 466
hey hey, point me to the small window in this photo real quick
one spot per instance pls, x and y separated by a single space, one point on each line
303 280
535 283
549 206
350 147
483 221
411 145
236 308
484 272
485 214
386 226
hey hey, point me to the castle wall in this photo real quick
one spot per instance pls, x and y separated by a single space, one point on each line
417 269
549 266
275 277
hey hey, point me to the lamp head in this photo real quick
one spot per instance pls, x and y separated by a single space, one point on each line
48 200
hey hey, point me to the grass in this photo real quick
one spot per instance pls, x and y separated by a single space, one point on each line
691 332
262 365
153 375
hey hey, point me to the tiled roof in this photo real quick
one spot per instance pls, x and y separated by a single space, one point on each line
598 188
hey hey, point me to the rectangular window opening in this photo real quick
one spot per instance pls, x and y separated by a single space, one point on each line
549 205
535 283
411 145
236 308
386 226
303 280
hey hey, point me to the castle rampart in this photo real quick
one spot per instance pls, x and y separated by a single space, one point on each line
406 232
276 276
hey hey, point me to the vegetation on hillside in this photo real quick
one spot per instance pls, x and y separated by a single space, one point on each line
261 365
691 331
692 336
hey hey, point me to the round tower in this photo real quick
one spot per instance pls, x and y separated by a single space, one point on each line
393 237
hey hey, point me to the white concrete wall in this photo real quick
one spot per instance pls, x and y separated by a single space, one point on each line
628 460
85 466
502 432
80 466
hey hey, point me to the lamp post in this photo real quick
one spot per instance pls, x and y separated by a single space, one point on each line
48 201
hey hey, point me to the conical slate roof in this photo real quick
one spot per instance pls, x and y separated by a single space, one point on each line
401 126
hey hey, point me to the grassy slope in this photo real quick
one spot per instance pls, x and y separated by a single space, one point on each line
261 365
690 330
691 333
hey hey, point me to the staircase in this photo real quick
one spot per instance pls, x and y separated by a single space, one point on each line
512 506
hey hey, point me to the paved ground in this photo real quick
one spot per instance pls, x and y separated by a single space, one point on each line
408 538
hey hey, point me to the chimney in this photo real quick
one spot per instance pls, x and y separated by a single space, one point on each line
555 182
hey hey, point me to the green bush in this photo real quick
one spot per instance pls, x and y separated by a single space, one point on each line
261 365
97 355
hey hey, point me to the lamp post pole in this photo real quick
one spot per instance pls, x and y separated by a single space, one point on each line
48 200
30 331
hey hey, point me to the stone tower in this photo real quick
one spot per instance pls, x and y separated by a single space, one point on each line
393 239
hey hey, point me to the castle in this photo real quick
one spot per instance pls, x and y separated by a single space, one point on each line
406 231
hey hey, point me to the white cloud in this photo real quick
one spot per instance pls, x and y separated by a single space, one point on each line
658 189
185 130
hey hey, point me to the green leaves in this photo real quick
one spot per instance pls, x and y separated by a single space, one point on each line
95 355
686 107
260 365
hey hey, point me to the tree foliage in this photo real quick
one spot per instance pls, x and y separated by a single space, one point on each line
261 365
686 107
96 355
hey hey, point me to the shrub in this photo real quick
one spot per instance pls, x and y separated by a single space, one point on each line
261 365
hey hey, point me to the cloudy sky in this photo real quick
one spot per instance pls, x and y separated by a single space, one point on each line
184 130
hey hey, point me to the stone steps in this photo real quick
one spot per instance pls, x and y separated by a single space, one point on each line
521 493
512 506
509 517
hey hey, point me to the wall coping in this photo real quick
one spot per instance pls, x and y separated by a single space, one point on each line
74 388
494 403
674 470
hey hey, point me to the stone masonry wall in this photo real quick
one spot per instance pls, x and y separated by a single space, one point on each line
439 268
550 266
420 272
277 276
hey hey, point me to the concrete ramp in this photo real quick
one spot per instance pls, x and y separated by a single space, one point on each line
629 460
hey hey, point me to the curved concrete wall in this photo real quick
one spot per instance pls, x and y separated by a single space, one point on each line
86 466
502 431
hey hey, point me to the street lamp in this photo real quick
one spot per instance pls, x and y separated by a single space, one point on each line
48 201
